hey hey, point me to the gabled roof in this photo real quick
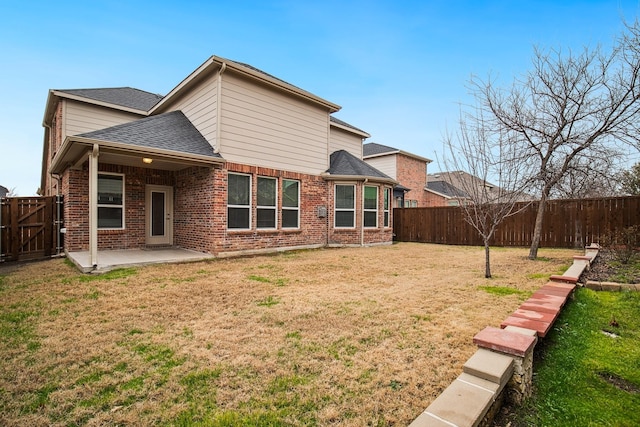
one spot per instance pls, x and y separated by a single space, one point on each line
372 149
123 96
344 165
169 131
445 189
223 65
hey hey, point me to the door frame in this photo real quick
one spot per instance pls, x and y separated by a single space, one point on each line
167 238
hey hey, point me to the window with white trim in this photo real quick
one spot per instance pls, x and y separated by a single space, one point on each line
267 199
370 206
345 206
110 201
238 201
387 207
290 203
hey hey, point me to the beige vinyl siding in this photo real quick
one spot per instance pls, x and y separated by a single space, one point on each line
261 126
82 118
385 164
343 140
199 106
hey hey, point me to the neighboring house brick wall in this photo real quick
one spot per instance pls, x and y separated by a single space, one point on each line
412 173
433 200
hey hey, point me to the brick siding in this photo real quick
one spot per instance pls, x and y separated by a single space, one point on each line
412 173
200 211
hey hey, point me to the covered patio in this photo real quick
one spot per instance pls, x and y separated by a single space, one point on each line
109 260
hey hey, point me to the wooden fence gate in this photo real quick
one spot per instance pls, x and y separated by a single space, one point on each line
30 227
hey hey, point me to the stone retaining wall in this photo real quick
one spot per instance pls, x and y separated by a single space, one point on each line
502 368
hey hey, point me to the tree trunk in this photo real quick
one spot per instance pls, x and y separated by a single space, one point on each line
537 230
487 263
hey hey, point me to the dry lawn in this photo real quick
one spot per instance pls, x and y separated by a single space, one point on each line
350 337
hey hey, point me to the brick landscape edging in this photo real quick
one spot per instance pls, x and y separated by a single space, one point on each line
488 377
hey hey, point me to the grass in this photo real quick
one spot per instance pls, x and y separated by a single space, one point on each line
319 338
584 376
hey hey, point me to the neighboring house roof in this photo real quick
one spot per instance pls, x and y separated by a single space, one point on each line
169 131
3 191
343 164
459 179
445 189
123 96
373 149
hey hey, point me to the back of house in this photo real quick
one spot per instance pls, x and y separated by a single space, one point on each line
232 160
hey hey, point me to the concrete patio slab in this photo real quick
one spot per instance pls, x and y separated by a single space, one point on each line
108 260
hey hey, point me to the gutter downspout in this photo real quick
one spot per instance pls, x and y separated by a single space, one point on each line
93 206
216 149
58 243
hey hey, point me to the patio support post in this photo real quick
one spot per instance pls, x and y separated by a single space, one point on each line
93 205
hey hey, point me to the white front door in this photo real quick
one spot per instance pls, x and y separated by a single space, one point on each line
159 215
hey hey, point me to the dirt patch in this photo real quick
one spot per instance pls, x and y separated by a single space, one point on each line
606 268
619 382
359 336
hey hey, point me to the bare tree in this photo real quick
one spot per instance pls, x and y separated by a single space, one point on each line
598 178
488 182
569 111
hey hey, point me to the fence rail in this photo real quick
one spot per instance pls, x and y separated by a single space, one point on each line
30 227
567 223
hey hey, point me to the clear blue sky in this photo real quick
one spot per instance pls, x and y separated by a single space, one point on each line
398 68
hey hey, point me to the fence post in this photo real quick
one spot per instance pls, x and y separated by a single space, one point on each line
13 226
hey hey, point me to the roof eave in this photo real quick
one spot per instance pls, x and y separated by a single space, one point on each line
331 177
60 163
386 153
415 156
350 130
438 193
215 62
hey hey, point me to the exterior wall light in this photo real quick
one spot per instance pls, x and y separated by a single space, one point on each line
147 160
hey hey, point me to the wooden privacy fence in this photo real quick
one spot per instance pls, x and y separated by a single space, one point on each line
30 227
567 223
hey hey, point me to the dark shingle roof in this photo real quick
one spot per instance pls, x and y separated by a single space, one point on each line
371 149
344 163
445 188
345 124
124 96
169 131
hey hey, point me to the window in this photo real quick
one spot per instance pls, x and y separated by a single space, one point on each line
370 206
290 203
266 206
239 202
110 201
386 206
345 206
